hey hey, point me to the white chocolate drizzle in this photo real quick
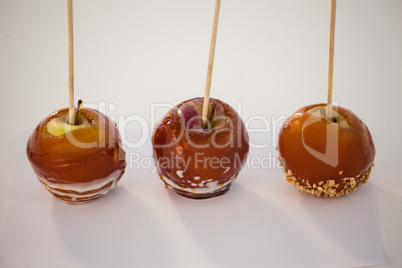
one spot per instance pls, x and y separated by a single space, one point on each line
81 192
180 173
204 187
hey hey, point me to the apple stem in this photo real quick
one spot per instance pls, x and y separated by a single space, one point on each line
79 106
331 60
210 63
70 61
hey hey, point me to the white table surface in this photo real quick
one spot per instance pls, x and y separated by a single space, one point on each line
271 56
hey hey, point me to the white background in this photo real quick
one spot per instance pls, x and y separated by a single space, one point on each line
270 55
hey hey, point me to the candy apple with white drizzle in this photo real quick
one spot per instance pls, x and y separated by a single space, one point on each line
76 154
77 162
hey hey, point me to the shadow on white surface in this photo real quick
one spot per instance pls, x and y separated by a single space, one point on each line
243 229
115 231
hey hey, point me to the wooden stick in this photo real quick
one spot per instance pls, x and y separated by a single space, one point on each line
331 60
70 61
210 64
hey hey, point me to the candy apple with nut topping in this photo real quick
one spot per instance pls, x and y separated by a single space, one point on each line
326 150
326 157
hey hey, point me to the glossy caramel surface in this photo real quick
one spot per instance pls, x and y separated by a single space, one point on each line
80 156
338 151
189 155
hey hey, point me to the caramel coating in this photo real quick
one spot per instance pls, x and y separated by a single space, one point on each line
200 163
315 151
67 169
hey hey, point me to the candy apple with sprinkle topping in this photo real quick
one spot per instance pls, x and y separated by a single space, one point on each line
197 161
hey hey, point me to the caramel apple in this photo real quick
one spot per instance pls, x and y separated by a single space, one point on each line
200 162
77 163
326 157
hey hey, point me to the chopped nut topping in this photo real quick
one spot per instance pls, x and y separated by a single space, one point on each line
327 188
